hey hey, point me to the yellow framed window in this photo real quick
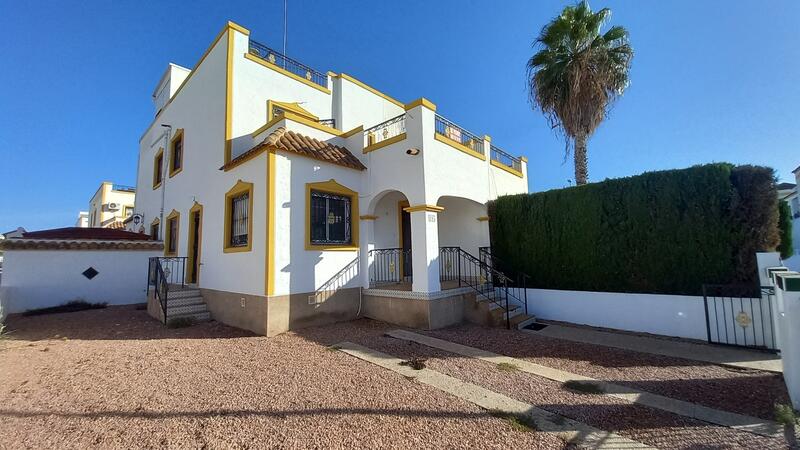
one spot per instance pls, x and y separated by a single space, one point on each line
239 218
176 153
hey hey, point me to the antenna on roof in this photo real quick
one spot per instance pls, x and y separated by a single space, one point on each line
285 5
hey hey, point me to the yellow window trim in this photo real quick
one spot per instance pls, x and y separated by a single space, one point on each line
178 135
458 146
420 101
156 222
363 85
238 189
197 207
332 187
429 208
281 71
368 217
506 168
158 166
384 143
167 238
292 107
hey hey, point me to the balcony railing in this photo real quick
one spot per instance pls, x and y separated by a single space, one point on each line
277 111
123 188
386 130
288 64
455 133
505 159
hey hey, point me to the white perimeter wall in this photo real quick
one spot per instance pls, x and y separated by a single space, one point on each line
41 278
668 315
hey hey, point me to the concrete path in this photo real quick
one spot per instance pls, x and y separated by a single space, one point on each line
717 354
692 410
578 433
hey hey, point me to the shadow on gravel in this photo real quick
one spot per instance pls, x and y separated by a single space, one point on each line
111 323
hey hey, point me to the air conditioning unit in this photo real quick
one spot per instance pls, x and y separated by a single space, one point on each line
113 206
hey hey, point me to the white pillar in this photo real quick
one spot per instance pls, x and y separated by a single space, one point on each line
366 244
425 248
788 284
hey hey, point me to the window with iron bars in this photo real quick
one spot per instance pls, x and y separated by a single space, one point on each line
239 211
330 218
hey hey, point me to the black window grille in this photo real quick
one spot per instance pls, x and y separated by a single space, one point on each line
173 235
240 208
177 154
330 218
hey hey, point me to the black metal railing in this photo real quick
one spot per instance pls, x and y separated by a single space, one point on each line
328 122
519 280
740 315
338 281
454 132
389 266
386 130
163 272
288 64
123 188
505 159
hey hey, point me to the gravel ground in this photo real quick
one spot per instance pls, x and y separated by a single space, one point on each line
657 428
744 391
115 378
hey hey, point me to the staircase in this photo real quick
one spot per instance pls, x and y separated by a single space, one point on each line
187 303
499 300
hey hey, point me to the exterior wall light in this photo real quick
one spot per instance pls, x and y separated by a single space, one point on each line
412 152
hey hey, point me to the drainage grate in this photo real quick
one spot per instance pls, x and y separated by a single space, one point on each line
536 326
90 273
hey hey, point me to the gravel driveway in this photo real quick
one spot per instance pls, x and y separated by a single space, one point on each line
116 378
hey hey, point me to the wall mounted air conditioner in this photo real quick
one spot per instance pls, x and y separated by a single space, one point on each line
113 206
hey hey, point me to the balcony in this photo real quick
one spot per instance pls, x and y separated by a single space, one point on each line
455 134
505 159
288 64
123 188
385 133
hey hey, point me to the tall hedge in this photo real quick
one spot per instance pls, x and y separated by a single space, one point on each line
659 232
786 246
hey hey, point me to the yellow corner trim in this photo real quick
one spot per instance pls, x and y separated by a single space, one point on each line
292 107
174 215
226 157
429 208
238 28
523 159
269 265
286 72
354 131
506 168
178 135
361 84
381 144
459 146
368 217
420 101
332 187
486 137
483 218
239 188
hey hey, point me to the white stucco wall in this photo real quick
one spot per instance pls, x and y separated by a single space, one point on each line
459 225
41 278
355 105
668 315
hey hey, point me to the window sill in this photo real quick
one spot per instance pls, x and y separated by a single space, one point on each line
246 248
173 254
172 173
332 247
157 185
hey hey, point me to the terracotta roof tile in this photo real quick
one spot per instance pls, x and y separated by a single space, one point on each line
75 233
282 139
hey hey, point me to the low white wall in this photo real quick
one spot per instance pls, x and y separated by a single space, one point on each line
41 278
668 315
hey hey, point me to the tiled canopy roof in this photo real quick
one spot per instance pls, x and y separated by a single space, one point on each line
75 233
81 239
282 139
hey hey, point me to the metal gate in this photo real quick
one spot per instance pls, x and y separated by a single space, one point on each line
740 315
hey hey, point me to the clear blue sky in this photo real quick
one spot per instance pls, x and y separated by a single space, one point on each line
711 81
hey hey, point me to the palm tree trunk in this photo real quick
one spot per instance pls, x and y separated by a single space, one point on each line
581 163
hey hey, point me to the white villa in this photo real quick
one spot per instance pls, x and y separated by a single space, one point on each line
287 197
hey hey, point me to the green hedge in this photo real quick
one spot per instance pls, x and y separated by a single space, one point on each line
659 232
785 227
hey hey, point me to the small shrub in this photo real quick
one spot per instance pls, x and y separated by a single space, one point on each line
785 226
415 363
180 322
73 306
586 387
786 415
507 367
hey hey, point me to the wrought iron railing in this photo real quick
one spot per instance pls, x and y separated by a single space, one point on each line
389 266
163 272
454 132
123 188
740 315
338 281
386 130
288 64
518 284
505 159
328 122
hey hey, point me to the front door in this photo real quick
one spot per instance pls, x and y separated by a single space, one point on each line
194 247
405 241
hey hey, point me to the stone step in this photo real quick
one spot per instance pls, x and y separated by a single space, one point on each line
197 317
185 301
182 293
188 309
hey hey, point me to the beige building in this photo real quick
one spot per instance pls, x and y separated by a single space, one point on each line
111 205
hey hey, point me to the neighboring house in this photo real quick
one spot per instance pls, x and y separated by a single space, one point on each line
788 192
83 220
288 190
111 205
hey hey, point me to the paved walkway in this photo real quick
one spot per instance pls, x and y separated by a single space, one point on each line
572 431
692 410
717 354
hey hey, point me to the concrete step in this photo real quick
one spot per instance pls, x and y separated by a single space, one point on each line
185 301
187 309
183 293
522 321
197 317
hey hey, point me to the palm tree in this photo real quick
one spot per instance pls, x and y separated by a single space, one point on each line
577 74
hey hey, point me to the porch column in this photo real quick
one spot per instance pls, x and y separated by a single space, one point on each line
425 247
366 244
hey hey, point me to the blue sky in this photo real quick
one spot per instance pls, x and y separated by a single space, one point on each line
711 81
